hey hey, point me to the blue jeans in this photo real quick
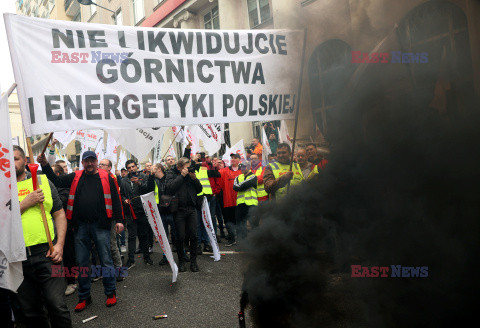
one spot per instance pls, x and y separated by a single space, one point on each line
101 237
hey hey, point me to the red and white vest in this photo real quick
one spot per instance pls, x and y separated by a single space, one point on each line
106 191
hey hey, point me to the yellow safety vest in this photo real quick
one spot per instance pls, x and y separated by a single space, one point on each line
312 173
280 169
249 196
260 187
202 176
156 194
32 223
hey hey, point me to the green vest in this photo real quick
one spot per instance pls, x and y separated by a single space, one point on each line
32 223
280 169
156 194
202 176
260 187
249 196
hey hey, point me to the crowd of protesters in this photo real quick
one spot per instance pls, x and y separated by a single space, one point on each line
97 213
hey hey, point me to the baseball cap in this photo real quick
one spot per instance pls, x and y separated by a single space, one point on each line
235 155
89 154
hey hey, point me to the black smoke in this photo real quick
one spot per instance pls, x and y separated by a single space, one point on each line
402 187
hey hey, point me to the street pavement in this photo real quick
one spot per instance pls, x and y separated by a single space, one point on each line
209 298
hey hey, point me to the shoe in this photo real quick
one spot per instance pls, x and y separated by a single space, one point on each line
123 249
208 248
95 279
194 266
199 250
83 304
230 244
148 261
138 251
164 261
150 250
111 300
70 289
130 264
181 267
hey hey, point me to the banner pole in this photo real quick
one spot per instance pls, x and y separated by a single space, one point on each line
9 91
46 144
298 101
42 208
174 137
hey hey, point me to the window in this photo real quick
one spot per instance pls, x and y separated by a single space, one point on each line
78 17
330 68
211 20
118 17
258 12
138 11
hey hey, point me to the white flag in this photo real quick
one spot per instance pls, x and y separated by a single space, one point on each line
122 159
65 137
266 148
12 245
178 133
139 142
209 134
99 151
89 137
153 215
111 152
283 135
195 148
207 222
171 151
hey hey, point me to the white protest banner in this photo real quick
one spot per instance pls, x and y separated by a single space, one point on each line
179 133
65 137
207 222
139 142
122 159
195 147
209 134
266 148
283 135
12 245
89 137
74 75
153 215
99 150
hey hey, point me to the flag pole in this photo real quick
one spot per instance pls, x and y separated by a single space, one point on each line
46 144
174 137
9 91
298 101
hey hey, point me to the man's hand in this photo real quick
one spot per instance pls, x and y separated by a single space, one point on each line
57 255
42 159
193 176
134 180
288 175
184 171
33 198
52 145
127 201
119 228
189 144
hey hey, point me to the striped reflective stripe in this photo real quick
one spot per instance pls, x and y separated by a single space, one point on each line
71 197
108 196
250 198
204 179
109 207
241 195
70 208
39 181
274 165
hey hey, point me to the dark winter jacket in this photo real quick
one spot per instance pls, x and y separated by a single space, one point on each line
184 188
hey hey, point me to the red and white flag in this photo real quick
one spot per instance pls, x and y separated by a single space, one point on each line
153 216
238 148
210 134
283 135
266 148
12 245
171 151
207 222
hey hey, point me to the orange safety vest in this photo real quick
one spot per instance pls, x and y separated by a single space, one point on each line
106 191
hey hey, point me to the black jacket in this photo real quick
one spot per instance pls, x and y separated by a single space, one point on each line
184 188
161 184
65 181
133 191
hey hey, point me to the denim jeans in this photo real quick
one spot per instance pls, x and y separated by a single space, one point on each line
101 237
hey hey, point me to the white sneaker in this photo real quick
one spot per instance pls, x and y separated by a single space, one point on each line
70 289
123 249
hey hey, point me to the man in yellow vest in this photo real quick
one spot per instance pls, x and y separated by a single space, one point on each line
202 176
246 187
41 287
278 174
309 170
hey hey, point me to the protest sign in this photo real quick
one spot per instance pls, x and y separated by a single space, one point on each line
74 75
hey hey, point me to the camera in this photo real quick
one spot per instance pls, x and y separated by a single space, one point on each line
191 169
132 174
